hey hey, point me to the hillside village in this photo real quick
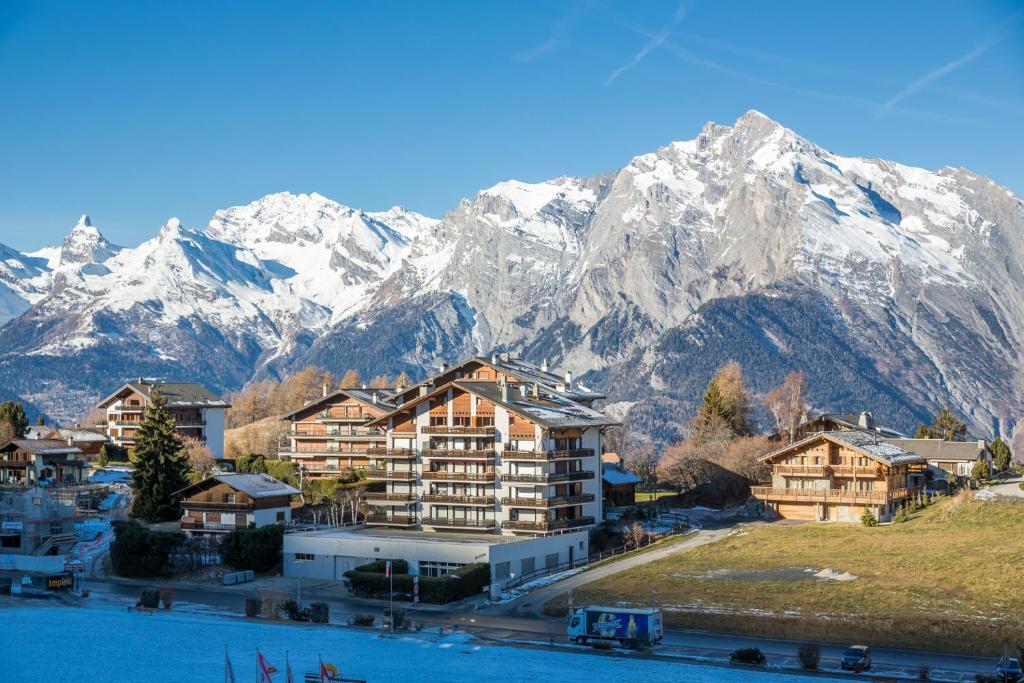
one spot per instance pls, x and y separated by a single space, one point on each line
490 479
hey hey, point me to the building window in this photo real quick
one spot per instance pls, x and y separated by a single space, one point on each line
438 421
435 569
229 498
501 571
460 421
280 515
302 557
551 559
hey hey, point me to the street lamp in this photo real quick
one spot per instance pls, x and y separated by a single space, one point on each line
298 581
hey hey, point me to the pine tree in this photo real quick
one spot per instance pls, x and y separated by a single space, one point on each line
1000 455
103 457
947 426
13 413
161 464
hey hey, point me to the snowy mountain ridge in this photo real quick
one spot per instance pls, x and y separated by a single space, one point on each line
622 276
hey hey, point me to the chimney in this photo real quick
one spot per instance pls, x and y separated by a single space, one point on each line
866 421
441 367
374 397
494 359
424 389
544 365
504 391
535 390
364 386
504 358
568 379
325 389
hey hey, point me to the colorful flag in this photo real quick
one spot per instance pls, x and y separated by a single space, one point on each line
265 669
229 671
327 671
387 568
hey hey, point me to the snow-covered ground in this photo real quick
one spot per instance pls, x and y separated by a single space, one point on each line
49 643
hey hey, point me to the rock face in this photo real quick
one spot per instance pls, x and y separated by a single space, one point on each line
897 289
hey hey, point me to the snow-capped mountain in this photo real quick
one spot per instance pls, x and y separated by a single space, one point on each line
896 288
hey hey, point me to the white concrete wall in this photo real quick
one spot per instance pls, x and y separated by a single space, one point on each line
269 516
215 431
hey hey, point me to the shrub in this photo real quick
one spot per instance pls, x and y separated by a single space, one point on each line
282 471
979 472
253 606
924 672
868 518
378 567
1021 486
465 581
362 619
256 549
901 515
747 655
294 611
139 552
150 598
319 612
809 655
166 597
397 617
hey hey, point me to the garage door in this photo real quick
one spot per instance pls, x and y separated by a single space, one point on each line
850 513
796 510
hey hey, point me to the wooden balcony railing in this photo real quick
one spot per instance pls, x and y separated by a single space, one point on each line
444 475
455 453
463 523
802 470
397 475
551 477
548 525
406 498
392 453
828 495
872 471
560 501
189 504
458 500
391 520
458 429
547 455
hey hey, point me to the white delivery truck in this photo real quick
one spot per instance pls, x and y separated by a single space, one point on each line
639 627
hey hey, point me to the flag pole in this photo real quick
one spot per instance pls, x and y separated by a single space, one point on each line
392 596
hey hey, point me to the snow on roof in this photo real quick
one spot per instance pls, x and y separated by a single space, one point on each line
614 476
548 409
253 485
371 397
178 394
43 447
869 443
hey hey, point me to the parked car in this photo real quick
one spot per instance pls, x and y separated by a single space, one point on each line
1008 670
856 658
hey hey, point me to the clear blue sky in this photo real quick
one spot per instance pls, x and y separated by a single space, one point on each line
137 111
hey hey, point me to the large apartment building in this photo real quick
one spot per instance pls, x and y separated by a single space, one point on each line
489 455
836 475
199 414
330 437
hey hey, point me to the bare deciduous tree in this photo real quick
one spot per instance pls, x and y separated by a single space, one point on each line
787 403
634 534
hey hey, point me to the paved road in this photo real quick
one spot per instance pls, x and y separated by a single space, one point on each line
552 630
1008 487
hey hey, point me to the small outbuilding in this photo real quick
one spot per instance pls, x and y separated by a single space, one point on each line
618 485
226 502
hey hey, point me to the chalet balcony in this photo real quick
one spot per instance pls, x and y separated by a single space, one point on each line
818 471
551 477
458 454
380 497
843 496
461 523
336 434
392 453
210 527
327 416
458 499
560 501
458 429
547 525
211 505
124 423
486 476
391 475
391 520
547 455
868 471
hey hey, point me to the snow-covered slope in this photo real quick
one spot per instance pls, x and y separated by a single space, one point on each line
896 288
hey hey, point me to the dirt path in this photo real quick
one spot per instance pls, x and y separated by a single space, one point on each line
531 603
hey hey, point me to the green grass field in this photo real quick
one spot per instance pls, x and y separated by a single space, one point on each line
952 578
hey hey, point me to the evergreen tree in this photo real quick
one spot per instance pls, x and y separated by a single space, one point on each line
980 471
947 426
161 464
13 414
103 457
1000 455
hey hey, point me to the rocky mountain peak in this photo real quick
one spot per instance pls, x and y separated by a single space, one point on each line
85 244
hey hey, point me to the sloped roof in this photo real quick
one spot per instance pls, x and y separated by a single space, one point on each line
178 394
937 449
550 409
365 396
42 447
613 475
252 485
82 434
868 443
523 370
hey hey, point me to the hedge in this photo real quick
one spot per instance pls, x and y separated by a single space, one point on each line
256 549
139 552
465 581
